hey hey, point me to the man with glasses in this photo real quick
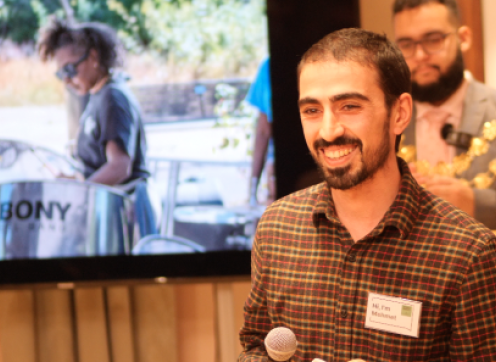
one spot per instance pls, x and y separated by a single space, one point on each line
450 108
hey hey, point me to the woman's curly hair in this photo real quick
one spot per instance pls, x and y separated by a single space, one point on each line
83 37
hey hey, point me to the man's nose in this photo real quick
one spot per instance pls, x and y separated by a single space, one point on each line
419 52
331 128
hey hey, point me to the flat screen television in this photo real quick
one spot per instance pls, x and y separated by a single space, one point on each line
190 63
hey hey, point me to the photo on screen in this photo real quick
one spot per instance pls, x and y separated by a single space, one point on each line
199 70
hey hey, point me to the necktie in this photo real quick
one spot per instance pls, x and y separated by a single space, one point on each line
430 145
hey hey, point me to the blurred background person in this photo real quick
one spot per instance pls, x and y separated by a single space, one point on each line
260 96
111 141
450 108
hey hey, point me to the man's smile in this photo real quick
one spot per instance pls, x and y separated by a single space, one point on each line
338 153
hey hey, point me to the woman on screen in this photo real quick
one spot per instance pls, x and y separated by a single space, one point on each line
111 140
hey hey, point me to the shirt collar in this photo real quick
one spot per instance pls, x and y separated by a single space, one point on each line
401 215
324 207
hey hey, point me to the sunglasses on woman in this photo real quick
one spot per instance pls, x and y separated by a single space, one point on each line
70 69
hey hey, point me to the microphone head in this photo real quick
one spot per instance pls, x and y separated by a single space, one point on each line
281 344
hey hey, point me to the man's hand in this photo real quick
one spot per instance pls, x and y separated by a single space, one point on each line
451 189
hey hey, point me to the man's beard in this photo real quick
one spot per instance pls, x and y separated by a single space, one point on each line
342 178
447 84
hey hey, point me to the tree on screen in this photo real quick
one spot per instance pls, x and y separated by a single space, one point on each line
194 34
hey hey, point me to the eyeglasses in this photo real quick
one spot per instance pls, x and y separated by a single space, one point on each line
431 44
70 69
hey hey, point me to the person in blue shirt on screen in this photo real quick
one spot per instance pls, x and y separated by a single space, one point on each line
260 96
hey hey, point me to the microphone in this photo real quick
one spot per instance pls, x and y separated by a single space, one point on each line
281 344
453 138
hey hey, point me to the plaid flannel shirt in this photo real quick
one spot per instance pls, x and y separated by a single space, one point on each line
310 276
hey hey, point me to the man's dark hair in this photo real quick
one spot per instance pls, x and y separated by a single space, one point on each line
83 37
368 49
452 5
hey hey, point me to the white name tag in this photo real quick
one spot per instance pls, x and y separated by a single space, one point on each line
395 315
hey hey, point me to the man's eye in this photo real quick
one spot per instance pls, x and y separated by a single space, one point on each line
310 111
433 40
351 107
404 45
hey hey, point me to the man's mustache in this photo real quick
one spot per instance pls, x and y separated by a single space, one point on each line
340 141
437 67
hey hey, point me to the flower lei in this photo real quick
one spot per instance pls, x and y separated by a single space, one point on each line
478 147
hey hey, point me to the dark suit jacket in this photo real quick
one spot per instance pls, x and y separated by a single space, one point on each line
479 107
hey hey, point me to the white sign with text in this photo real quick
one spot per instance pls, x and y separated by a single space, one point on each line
394 315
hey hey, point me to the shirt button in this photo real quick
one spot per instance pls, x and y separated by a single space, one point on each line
352 257
344 313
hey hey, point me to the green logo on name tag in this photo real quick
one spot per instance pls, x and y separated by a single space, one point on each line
406 310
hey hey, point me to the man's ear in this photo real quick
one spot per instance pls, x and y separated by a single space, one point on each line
465 38
402 113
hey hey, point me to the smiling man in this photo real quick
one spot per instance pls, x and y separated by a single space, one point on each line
367 265
450 108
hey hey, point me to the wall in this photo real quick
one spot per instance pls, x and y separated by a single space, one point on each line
489 30
119 323
376 15
209 318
